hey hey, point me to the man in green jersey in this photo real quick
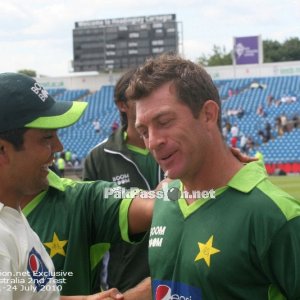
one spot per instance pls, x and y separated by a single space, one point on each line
230 234
123 159
71 218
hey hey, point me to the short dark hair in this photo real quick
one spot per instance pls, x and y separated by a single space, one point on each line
15 137
192 83
120 92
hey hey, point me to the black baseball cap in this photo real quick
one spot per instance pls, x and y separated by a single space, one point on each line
25 103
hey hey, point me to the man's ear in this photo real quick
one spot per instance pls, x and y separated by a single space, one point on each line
122 106
210 110
2 146
3 151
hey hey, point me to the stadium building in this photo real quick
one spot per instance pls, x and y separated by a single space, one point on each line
122 43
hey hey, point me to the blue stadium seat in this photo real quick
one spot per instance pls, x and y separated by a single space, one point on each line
286 148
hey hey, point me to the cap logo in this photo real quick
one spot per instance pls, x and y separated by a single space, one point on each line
40 92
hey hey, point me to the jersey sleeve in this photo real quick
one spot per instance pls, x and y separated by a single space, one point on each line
283 259
109 211
123 219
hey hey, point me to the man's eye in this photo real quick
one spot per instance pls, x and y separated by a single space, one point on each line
143 134
164 122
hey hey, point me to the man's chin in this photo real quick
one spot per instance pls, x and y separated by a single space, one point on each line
34 191
42 185
171 174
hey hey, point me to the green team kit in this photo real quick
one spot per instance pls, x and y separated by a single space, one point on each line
76 224
242 244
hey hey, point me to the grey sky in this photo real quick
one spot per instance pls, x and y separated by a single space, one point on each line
38 34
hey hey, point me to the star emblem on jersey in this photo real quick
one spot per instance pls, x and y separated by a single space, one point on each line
56 246
206 250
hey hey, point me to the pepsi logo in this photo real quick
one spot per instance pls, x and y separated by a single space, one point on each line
170 290
34 263
38 270
163 292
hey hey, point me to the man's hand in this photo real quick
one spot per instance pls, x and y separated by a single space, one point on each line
242 157
140 292
112 294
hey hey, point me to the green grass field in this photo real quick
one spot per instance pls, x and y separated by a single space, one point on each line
290 184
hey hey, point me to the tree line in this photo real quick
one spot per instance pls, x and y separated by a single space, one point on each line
273 51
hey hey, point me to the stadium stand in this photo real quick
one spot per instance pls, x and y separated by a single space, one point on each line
70 95
281 151
81 137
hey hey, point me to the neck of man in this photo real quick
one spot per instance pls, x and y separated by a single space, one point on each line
215 172
10 198
133 138
25 200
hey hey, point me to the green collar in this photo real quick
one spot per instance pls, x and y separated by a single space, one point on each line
125 134
244 181
135 148
55 182
248 177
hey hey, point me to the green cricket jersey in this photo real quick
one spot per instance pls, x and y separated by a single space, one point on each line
242 244
76 221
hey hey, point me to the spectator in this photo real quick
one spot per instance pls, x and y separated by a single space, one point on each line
268 131
114 126
284 122
260 111
54 168
278 125
240 112
270 99
250 144
235 112
243 143
236 92
277 103
61 164
68 157
97 126
262 136
77 164
234 130
234 141
288 99
296 121
226 130
257 85
74 158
